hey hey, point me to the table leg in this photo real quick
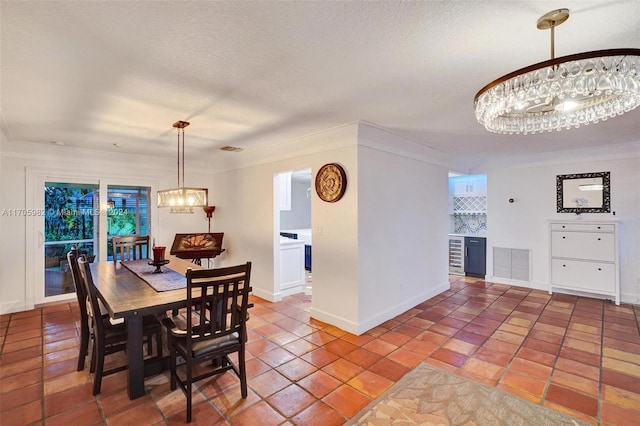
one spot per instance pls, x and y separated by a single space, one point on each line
135 357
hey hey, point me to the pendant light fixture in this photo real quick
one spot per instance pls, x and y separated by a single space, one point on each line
182 199
562 92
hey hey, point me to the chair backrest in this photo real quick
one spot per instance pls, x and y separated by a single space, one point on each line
93 306
81 293
223 310
130 247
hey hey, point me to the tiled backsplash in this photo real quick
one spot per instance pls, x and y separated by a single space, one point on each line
469 224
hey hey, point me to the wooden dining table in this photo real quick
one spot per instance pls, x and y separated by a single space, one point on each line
127 296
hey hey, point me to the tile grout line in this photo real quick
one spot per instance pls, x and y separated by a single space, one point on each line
600 383
548 381
42 338
496 300
557 356
573 311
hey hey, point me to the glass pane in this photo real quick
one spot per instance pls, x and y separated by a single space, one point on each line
70 220
127 213
57 276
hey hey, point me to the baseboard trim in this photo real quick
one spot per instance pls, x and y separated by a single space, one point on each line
374 321
11 307
271 297
534 285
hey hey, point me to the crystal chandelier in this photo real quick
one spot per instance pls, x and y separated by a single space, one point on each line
182 199
562 92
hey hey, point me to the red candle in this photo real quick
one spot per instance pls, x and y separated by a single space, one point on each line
158 253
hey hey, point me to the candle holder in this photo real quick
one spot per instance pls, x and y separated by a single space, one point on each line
158 264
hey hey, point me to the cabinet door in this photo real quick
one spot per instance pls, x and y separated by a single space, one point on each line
475 259
588 276
583 245
477 185
291 266
460 185
468 185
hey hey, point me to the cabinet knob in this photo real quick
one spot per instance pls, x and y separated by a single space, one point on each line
564 266
564 238
599 269
563 226
599 239
598 227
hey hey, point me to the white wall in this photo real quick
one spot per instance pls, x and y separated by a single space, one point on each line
5 249
402 234
524 224
335 246
402 229
20 253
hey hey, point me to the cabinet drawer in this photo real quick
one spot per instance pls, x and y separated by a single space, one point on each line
583 245
589 276
583 227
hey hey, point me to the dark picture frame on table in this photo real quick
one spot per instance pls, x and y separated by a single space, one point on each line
197 245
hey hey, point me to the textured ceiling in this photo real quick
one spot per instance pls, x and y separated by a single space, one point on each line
257 73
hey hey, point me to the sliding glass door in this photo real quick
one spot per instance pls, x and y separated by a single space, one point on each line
72 218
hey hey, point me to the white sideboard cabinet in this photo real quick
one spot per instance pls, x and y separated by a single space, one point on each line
584 257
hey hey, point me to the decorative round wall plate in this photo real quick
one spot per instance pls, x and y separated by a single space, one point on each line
331 182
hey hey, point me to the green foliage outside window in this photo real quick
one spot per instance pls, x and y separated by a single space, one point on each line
121 222
68 214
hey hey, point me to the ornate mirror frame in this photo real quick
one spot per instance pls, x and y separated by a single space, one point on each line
583 193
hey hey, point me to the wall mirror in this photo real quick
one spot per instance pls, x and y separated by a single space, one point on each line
583 193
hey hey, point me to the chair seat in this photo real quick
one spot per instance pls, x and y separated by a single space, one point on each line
105 314
213 345
112 321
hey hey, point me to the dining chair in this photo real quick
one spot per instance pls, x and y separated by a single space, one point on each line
109 338
215 327
130 247
81 294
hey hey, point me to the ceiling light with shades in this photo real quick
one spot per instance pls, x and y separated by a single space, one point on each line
182 199
563 92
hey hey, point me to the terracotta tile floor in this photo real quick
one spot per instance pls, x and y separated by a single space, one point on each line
577 355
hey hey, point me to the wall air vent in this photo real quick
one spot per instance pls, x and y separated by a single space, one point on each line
512 263
231 148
